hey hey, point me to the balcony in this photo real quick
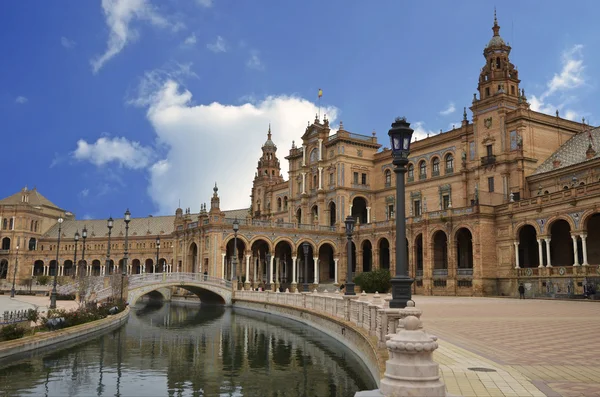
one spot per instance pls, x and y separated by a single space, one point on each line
4 252
449 171
435 173
464 272
360 186
488 160
410 179
440 272
422 176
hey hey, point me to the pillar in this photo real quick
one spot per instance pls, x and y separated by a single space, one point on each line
350 209
247 272
540 252
335 270
320 178
575 250
316 262
584 248
277 264
294 266
303 155
368 214
320 149
270 276
33 270
223 264
517 255
304 183
548 259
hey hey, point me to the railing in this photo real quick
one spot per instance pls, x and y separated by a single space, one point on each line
449 171
360 137
360 185
4 252
440 272
464 272
488 160
10 317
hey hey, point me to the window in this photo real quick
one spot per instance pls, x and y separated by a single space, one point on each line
314 186
516 196
436 166
356 178
411 171
422 169
512 89
390 212
449 162
331 178
31 227
388 178
4 224
491 184
490 151
278 203
12 224
487 91
299 187
285 203
364 179
417 208
445 201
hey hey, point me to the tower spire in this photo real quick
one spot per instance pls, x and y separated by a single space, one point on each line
496 27
269 133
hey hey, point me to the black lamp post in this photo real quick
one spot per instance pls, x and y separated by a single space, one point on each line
12 291
126 253
53 294
400 136
76 239
84 236
349 289
109 224
236 227
157 253
305 247
268 283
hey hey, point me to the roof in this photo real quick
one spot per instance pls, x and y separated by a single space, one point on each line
240 214
572 152
35 199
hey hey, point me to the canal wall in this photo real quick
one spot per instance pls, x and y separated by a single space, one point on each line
321 312
54 339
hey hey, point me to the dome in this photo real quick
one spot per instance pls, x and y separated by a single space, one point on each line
269 142
496 41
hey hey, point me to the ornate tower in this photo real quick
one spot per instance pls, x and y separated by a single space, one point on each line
268 173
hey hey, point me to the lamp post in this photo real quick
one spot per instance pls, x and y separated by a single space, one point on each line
349 290
126 253
109 224
76 239
236 227
84 236
305 247
53 294
157 253
268 283
12 291
400 136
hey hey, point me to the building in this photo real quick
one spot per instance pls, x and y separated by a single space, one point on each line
510 196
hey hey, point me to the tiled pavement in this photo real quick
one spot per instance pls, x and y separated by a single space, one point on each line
534 347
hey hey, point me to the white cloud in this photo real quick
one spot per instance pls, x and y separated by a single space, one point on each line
87 217
420 132
572 115
205 3
216 142
218 46
84 192
119 15
21 100
254 62
67 43
449 110
119 150
190 40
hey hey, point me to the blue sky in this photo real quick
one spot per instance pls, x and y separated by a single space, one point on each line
107 105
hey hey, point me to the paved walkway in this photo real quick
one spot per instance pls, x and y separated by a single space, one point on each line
521 347
24 302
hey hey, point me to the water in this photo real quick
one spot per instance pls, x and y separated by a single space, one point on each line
181 350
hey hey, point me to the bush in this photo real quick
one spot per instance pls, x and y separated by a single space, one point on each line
12 331
375 281
43 280
33 315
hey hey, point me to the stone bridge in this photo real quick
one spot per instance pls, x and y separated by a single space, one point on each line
208 289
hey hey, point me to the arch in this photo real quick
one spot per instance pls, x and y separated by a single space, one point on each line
314 211
367 255
282 273
422 169
440 250
229 255
592 226
96 268
561 245
418 252
192 259
314 155
586 216
149 266
359 209
136 266
279 204
285 203
309 275
68 269
332 214
52 267
449 162
6 243
227 240
3 269
32 244
208 294
528 247
299 216
326 262
38 267
435 166
325 242
162 265
387 174
519 226
464 248
384 253
260 246
556 218
410 171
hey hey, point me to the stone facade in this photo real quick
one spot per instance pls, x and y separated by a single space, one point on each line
509 196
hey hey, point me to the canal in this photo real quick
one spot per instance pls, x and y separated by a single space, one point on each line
177 350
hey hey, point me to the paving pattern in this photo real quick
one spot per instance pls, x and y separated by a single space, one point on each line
527 347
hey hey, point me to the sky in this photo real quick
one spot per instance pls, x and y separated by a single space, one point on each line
144 104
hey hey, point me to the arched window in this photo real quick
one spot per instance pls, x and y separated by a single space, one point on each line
285 203
314 155
435 166
278 203
388 178
422 169
314 186
411 171
449 162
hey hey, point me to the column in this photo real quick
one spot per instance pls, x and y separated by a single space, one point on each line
540 252
303 155
304 183
368 214
575 251
517 255
335 270
584 248
33 270
277 264
255 265
320 149
548 259
349 210
223 264
316 262
247 269
45 270
320 178
294 265
270 270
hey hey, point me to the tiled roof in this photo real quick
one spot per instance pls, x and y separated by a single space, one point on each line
572 152
35 199
240 214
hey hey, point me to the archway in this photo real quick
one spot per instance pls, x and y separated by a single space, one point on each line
96 269
32 244
332 214
3 269
593 236
136 266
326 264
192 259
282 274
367 256
528 247
162 265
314 211
6 243
309 276
258 271
419 254
52 268
38 268
440 251
68 269
353 256
299 216
464 249
384 253
240 264
149 266
359 210
561 244
111 267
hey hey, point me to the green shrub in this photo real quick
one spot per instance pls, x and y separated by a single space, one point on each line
12 331
33 315
375 281
43 280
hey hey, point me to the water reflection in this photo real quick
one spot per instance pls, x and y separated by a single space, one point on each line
177 350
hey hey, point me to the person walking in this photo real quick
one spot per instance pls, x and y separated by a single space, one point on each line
521 291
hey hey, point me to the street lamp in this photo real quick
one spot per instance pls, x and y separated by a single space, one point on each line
84 236
349 290
76 239
400 136
268 284
236 227
12 291
157 253
109 224
305 247
53 294
126 253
